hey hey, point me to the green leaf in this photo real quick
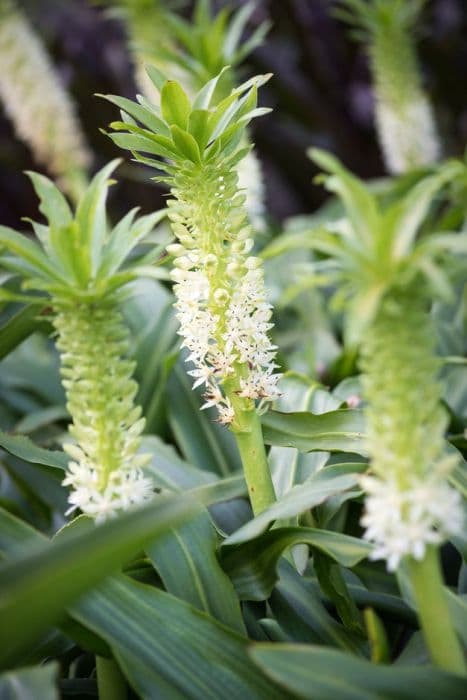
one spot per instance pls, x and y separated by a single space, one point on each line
22 447
33 683
30 252
156 77
252 566
18 328
335 431
17 537
316 673
75 563
165 647
52 203
168 649
236 29
288 466
141 113
406 216
186 561
380 650
124 237
186 144
134 142
327 482
198 127
297 606
175 105
360 203
149 313
91 219
203 99
333 585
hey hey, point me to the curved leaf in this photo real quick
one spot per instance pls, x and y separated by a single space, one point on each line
186 561
335 431
74 564
252 566
169 650
323 674
325 483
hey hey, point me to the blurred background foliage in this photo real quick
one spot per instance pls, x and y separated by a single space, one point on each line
321 95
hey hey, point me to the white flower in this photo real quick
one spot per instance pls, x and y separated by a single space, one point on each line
404 521
407 133
250 179
223 323
226 412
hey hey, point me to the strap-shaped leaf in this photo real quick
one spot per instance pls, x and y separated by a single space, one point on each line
52 203
186 561
141 113
91 218
335 431
175 104
317 673
30 252
252 566
74 563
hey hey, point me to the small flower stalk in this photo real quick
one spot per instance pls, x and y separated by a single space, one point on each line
78 270
220 296
37 103
404 116
387 279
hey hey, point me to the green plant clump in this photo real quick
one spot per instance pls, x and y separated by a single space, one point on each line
231 465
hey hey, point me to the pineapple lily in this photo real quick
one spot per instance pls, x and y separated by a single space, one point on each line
404 117
221 302
49 126
387 279
77 269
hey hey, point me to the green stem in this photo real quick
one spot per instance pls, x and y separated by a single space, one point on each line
111 683
434 615
250 443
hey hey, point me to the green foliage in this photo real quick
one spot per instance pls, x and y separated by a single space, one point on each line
185 132
382 248
311 672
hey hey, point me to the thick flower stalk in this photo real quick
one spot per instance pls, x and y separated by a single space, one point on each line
77 269
221 301
192 52
404 116
387 279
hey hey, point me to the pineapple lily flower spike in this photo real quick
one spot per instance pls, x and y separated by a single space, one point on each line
221 301
77 269
404 116
49 126
386 279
